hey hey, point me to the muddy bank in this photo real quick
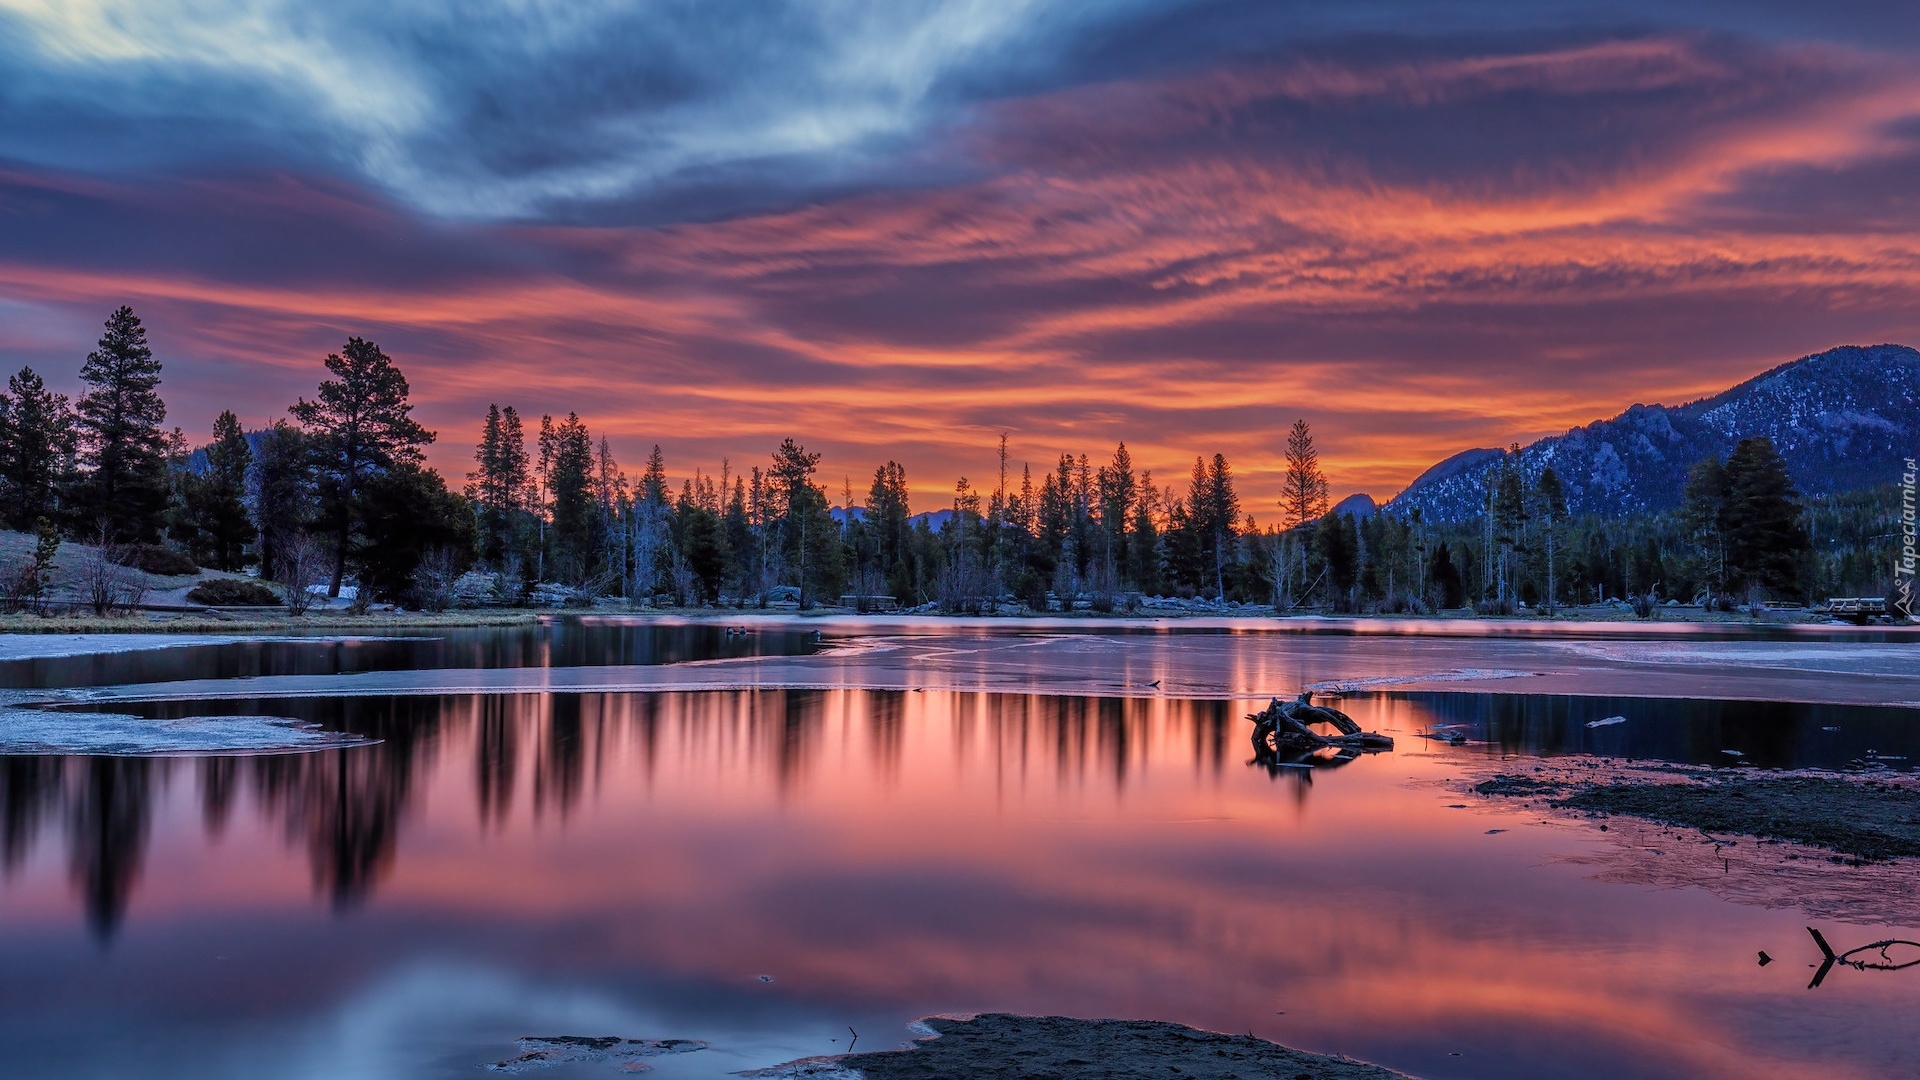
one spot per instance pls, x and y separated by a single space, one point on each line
1872 816
1000 1045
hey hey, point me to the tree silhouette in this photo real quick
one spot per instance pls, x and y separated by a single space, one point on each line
357 425
120 415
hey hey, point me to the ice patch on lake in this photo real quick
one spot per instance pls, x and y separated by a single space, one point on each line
52 646
61 646
43 731
1839 657
1375 682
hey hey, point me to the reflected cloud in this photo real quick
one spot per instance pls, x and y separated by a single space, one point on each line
925 850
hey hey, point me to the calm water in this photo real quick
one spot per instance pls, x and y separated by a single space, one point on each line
556 643
765 869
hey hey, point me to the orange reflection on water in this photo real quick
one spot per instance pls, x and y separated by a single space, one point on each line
912 852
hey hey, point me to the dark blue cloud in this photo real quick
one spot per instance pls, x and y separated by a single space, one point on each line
601 111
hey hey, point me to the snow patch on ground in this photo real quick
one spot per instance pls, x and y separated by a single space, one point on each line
43 731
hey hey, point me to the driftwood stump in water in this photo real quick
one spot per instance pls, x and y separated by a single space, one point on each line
1283 727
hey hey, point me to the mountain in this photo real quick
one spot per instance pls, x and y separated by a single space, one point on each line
1843 419
1357 506
935 519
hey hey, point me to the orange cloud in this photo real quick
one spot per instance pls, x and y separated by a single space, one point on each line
1186 264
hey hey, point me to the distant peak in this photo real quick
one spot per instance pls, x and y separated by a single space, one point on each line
1359 505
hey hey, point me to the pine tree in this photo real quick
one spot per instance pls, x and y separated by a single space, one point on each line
483 488
1119 488
1303 492
1509 521
653 482
216 500
37 443
570 482
498 487
704 548
1143 539
800 505
125 492
1766 537
1303 495
888 514
1223 517
280 494
1703 511
1550 502
357 427
1445 577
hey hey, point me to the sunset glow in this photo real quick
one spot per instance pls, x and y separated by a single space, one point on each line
909 235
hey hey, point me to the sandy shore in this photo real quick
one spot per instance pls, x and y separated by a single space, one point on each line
1019 1047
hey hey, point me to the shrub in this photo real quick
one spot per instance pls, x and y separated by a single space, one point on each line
233 592
155 559
302 568
108 584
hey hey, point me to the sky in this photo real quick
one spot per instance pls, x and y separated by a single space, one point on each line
897 229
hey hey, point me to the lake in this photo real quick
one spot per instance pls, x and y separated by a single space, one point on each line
772 869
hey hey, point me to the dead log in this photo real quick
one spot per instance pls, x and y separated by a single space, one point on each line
1305 711
1282 727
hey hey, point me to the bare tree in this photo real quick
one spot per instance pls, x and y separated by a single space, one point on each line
108 586
303 565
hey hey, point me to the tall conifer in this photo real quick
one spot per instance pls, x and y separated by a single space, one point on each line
357 426
37 441
123 445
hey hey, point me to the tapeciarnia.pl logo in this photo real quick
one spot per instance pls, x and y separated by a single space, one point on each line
1903 566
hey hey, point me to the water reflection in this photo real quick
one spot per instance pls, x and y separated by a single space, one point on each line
346 809
885 855
555 642
1769 734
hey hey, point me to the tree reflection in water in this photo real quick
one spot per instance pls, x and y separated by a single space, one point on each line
109 816
346 809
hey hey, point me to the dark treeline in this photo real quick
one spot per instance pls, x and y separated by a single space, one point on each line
1743 534
1094 534
336 490
337 494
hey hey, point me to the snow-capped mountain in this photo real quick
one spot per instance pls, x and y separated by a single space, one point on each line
1843 419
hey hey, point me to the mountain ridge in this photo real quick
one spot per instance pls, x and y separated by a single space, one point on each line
1844 418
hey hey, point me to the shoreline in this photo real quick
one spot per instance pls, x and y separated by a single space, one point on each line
1005 1044
1861 816
240 622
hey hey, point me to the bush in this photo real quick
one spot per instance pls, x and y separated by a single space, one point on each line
233 592
156 559
108 584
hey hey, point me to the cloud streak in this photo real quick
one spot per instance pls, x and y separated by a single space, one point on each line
1420 243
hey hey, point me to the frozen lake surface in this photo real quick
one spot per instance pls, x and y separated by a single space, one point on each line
744 839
